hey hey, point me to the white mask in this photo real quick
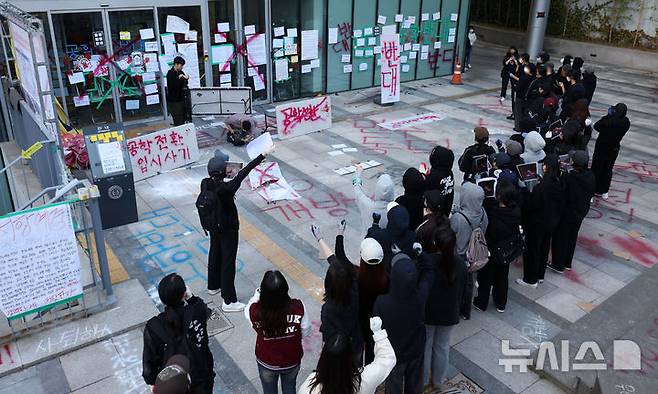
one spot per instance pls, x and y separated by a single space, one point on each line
568 79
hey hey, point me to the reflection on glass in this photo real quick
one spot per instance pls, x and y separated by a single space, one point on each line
221 13
253 15
195 68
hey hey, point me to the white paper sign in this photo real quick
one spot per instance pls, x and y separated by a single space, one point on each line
191 35
424 16
363 66
309 44
281 69
347 69
256 50
333 35
381 19
76 78
345 58
390 68
223 27
220 55
399 17
146 34
152 99
151 46
177 25
303 117
292 32
81 101
40 260
259 145
264 173
436 16
111 156
151 88
249 30
148 77
225 78
163 150
453 17
219 38
259 82
132 104
277 43
279 31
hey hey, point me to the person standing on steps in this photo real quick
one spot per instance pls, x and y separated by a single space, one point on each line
176 85
224 240
612 129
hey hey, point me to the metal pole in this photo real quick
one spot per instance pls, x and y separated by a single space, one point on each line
537 26
95 211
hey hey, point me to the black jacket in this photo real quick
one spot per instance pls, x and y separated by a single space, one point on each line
175 86
503 222
229 221
399 231
402 309
543 206
412 200
573 134
589 83
158 335
612 129
579 189
522 85
533 89
574 93
441 177
446 295
466 162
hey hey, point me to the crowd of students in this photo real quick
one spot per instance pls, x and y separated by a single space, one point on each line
425 259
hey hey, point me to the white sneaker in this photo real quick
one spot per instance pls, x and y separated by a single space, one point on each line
214 292
521 282
604 196
500 310
232 307
502 99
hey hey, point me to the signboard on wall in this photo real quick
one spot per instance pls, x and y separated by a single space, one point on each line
40 261
303 117
163 150
390 68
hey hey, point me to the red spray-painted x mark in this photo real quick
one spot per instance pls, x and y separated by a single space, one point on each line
240 50
265 176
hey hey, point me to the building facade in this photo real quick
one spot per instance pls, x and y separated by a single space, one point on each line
108 58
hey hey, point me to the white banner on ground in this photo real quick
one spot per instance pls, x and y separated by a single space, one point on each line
40 261
163 150
410 121
303 117
390 68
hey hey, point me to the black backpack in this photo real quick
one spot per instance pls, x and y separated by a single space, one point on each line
209 207
173 344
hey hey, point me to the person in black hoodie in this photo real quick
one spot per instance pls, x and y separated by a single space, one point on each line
612 128
440 176
541 215
577 64
589 82
180 329
504 216
510 66
481 147
445 297
579 187
412 199
398 229
572 93
224 241
402 311
524 80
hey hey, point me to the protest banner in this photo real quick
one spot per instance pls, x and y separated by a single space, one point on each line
303 117
390 68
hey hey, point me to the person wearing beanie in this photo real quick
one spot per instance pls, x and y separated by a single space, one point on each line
180 329
534 148
481 147
612 128
412 199
402 310
441 177
384 193
542 209
589 82
514 149
501 161
579 186
224 240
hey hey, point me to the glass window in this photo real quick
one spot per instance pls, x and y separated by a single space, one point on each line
222 12
427 36
191 15
340 18
363 58
253 14
136 69
447 34
387 9
409 33
88 83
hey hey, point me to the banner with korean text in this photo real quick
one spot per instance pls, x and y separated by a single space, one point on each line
390 68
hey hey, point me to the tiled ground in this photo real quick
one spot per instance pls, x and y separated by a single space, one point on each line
617 242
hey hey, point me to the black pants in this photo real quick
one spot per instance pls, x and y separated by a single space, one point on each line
492 278
603 161
177 111
406 377
505 81
467 301
221 263
519 113
565 238
535 256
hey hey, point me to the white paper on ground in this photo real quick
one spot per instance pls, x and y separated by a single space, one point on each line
249 30
176 25
336 153
151 46
146 34
341 171
346 150
339 146
259 145
279 31
151 88
76 78
81 101
333 35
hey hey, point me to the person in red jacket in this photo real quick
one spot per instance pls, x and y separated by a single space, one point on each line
280 323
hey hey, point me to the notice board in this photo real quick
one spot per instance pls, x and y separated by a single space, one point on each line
40 261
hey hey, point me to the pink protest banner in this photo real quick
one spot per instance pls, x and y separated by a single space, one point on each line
303 117
163 150
390 68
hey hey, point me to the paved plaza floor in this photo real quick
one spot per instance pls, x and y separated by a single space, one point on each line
617 245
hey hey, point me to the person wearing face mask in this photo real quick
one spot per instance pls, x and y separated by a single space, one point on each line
510 69
522 85
612 128
543 58
572 93
469 46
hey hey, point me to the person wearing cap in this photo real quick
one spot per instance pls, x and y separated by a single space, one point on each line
413 183
176 86
280 323
514 149
612 128
174 378
481 147
542 209
180 329
402 311
589 82
444 300
579 186
384 193
224 241
440 176
335 373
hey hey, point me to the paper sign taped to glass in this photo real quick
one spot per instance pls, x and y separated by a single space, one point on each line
303 117
163 150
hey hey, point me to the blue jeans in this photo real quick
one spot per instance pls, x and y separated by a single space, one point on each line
270 380
437 351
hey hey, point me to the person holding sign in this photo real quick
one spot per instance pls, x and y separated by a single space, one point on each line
224 235
176 86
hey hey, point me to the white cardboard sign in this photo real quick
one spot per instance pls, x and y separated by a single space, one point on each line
390 68
303 117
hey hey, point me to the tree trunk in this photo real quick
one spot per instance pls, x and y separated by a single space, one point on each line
639 22
566 20
508 8
519 15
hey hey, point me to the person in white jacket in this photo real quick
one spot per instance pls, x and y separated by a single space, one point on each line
336 373
384 193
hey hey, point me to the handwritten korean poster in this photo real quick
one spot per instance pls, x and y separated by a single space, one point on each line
303 117
390 68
